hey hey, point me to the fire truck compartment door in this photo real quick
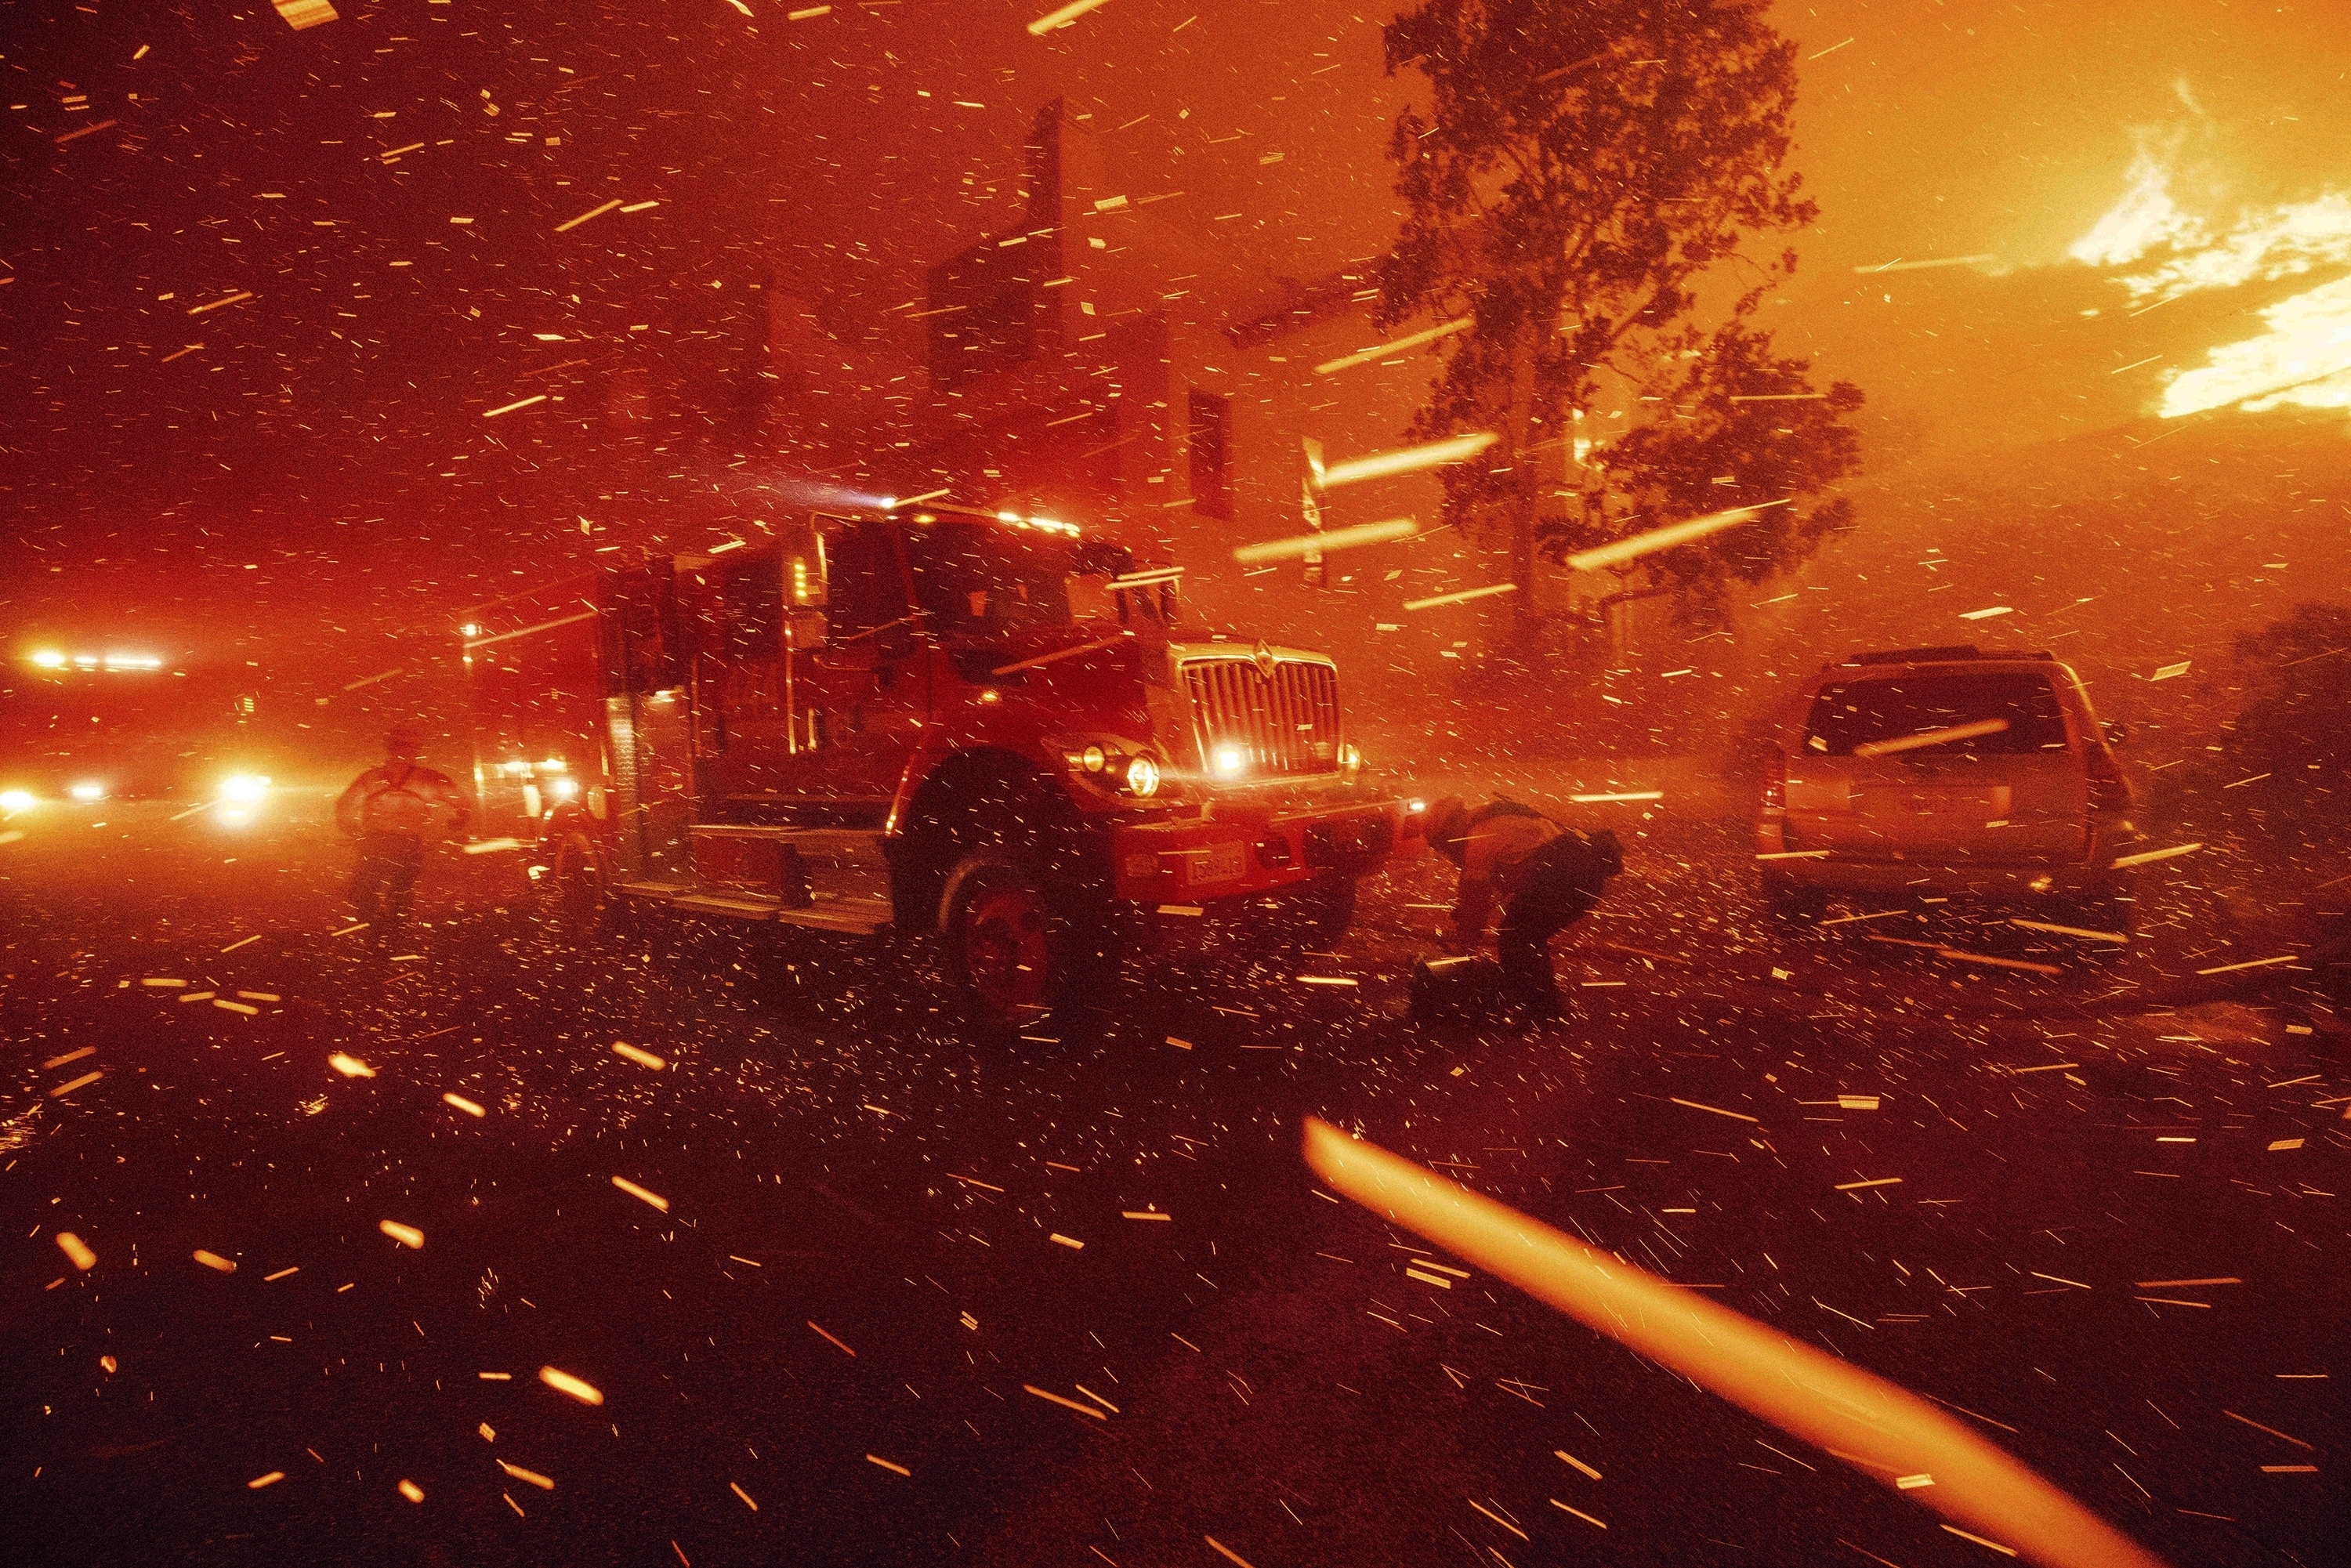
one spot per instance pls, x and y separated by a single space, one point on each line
860 700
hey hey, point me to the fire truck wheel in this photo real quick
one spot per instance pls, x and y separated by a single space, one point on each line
1319 913
1009 949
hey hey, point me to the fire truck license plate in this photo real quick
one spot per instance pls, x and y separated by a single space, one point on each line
1218 863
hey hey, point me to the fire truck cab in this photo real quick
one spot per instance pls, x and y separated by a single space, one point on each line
978 725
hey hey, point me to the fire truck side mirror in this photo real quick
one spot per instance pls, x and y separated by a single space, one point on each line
804 630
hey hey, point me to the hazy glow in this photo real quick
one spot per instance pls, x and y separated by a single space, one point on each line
2303 359
50 659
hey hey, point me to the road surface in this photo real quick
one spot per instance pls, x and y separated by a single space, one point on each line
875 1293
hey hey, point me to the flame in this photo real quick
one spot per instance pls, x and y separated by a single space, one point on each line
2303 359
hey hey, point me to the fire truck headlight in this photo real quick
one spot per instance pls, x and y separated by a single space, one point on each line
88 789
14 800
1350 759
1094 759
1142 777
566 788
1229 761
245 789
50 659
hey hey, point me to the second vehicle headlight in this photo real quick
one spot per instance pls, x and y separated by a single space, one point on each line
1142 777
245 789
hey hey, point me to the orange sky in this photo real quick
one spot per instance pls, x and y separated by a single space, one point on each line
1939 129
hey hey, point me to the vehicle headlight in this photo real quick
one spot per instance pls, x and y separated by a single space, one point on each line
565 788
1350 759
245 789
87 791
1142 777
14 800
1094 759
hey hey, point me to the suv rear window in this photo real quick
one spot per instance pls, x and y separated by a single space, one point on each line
1877 716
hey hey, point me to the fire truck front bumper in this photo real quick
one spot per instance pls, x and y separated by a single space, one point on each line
1242 852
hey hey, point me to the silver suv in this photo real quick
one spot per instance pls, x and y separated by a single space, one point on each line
1945 772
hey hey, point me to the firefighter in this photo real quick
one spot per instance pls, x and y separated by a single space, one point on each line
393 810
1546 877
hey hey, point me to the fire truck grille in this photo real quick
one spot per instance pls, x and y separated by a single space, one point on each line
1289 724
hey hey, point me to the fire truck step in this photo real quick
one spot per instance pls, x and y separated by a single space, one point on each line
753 908
831 844
852 917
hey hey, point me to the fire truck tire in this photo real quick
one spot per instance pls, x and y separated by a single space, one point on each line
1011 946
1317 914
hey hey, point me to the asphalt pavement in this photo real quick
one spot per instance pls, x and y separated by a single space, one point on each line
401 1259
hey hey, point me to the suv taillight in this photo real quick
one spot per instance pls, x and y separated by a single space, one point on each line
2109 791
1775 782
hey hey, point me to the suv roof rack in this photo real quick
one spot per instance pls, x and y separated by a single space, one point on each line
1948 653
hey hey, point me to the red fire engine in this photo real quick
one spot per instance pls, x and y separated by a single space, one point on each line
975 725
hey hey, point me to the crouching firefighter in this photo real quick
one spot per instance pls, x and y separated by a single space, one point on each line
1546 878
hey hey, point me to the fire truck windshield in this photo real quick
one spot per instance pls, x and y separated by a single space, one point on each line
976 580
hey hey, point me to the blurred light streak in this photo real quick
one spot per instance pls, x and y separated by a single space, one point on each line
1062 17
564 1383
1666 538
1931 737
592 213
1405 460
1461 598
1395 346
1985 260
1873 1425
1330 539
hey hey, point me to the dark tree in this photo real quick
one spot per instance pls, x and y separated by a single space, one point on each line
2297 683
1580 190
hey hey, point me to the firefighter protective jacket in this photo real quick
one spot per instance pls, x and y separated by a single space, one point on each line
405 799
